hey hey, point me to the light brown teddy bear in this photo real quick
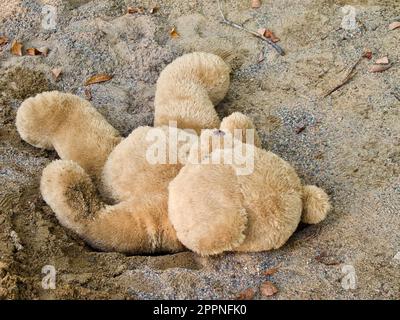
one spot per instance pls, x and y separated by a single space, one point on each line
144 207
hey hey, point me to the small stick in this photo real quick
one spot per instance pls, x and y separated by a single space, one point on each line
349 75
254 33
396 95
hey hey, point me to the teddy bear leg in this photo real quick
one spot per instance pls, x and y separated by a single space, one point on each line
205 208
187 90
315 205
70 125
69 191
139 226
243 126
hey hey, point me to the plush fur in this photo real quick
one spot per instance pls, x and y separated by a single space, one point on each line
71 126
238 120
188 89
269 203
134 206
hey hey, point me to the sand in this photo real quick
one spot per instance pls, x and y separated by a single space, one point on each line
348 144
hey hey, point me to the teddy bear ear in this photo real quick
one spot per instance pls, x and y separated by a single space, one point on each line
205 208
242 128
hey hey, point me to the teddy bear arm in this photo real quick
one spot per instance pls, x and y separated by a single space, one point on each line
69 124
139 226
205 208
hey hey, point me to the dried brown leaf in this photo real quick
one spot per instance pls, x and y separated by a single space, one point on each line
16 48
271 271
379 67
132 10
33 52
3 40
383 60
255 4
268 289
367 54
247 294
97 79
270 35
173 33
261 31
56 73
394 25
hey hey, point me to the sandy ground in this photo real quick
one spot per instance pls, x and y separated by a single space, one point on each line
350 144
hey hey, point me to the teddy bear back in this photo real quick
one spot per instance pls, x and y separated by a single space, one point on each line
145 162
272 197
215 208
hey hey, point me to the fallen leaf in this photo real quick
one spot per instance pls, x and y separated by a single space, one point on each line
394 25
367 54
247 294
379 67
56 72
98 78
261 31
270 35
154 9
132 10
33 52
16 48
261 56
271 271
88 94
173 33
44 51
268 289
255 4
326 260
3 40
383 60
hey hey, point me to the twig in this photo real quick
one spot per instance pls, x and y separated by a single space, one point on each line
349 75
254 33
396 95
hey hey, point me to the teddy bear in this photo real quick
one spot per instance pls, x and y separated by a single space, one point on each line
109 191
217 206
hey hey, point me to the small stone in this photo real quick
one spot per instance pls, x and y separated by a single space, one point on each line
268 289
